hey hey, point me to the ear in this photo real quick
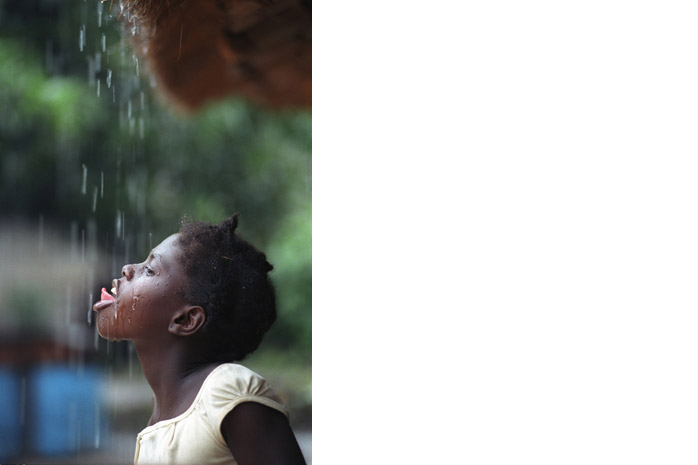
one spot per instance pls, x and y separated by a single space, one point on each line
187 321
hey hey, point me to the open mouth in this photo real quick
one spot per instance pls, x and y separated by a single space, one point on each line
106 300
107 296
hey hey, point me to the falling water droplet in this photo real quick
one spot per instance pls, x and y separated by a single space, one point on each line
142 101
130 110
150 241
99 81
89 310
108 77
118 224
83 188
82 37
83 247
101 184
96 338
137 69
94 200
141 128
104 43
98 61
97 425
100 7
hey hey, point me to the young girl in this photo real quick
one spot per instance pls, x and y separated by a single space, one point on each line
201 300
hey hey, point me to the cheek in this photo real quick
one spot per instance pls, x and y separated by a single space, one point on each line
132 304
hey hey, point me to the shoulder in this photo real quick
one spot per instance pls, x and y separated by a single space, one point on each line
234 371
236 380
231 384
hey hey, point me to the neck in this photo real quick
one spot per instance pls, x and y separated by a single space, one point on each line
174 377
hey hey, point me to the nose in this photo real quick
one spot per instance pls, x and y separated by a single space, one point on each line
127 271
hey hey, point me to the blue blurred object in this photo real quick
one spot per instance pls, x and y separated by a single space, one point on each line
66 409
10 405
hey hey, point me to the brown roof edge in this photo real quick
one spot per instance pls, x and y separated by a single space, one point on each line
205 50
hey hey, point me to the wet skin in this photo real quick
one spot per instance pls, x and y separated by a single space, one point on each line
146 296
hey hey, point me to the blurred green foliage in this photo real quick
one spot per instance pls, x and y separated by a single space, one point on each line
86 146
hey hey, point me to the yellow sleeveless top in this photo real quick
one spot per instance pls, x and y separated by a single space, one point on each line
194 437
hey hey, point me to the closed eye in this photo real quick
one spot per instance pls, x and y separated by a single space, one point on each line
149 271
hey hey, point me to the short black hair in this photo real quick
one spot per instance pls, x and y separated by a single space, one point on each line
228 278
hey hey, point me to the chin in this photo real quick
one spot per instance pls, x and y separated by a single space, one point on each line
108 330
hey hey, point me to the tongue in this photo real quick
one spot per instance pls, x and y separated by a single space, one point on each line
107 296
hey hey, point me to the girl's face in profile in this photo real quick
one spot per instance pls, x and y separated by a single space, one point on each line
145 297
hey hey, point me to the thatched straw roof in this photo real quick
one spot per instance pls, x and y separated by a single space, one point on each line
203 50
